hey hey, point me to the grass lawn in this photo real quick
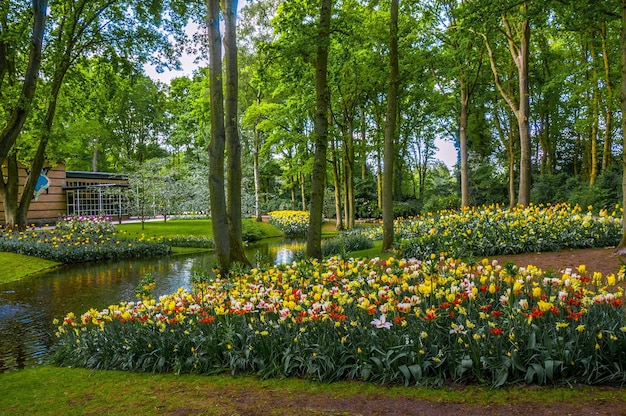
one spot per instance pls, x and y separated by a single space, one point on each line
195 228
15 266
55 391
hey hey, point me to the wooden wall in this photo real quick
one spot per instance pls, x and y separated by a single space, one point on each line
51 204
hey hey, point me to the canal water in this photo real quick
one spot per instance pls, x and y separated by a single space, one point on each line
29 306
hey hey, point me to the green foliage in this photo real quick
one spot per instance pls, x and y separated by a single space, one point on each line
604 194
345 243
406 209
384 321
367 208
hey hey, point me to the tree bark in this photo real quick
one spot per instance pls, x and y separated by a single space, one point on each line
608 142
521 109
595 119
336 185
233 143
390 130
10 190
322 100
621 248
221 234
463 141
524 112
348 148
257 176
11 131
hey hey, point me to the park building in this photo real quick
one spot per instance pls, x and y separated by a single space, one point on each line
59 192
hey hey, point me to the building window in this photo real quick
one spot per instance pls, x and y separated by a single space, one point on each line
92 199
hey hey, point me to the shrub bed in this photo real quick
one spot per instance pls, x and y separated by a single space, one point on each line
386 321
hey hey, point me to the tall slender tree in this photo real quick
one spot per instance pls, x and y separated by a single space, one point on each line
322 103
390 129
233 144
217 144
621 248
20 111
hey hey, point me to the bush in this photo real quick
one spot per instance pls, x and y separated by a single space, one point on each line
345 243
367 208
252 231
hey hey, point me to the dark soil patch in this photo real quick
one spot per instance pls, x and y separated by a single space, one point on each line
595 260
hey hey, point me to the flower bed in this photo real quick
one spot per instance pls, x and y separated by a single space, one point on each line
94 224
76 244
291 223
488 231
387 321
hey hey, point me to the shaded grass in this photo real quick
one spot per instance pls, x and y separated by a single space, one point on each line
16 266
55 391
370 253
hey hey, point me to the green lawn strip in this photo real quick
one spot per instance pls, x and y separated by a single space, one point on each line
195 228
47 390
16 266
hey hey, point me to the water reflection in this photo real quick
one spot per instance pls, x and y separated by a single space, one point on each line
28 306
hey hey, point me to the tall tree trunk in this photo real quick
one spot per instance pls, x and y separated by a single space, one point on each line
257 176
463 141
521 109
390 129
45 134
18 115
621 248
336 184
348 142
608 141
524 112
232 134
221 234
322 102
595 119
10 190
302 182
363 145
508 139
